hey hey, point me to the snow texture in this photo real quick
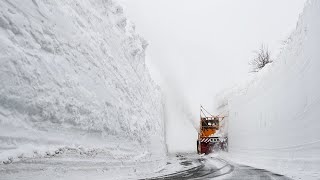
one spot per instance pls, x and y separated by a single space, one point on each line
273 122
73 75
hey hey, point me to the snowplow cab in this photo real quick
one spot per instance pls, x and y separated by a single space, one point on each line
209 124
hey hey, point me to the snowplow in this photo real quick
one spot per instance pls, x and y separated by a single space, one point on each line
208 140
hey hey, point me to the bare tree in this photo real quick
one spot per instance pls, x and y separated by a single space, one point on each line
261 58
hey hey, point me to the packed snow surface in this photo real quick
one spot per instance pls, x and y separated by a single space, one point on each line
73 75
274 121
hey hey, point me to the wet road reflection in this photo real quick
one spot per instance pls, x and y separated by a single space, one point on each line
217 168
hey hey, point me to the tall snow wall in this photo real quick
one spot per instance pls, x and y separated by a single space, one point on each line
274 121
73 73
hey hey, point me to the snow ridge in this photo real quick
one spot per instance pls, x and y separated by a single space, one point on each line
72 73
273 120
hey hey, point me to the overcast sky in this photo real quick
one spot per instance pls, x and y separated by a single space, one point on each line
204 46
200 47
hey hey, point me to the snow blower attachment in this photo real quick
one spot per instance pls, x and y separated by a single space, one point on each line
208 141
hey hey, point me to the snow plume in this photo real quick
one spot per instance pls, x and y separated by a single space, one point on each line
274 122
72 73
181 128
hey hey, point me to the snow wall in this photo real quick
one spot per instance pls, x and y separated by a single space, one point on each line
73 74
274 121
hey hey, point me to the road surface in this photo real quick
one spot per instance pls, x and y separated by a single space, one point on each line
72 165
217 168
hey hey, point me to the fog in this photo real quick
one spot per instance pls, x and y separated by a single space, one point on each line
199 48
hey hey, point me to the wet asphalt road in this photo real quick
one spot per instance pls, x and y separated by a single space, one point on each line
190 166
208 170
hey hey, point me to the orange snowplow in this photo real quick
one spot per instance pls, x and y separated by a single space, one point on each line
208 141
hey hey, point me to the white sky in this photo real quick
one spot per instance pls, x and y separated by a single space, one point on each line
205 45
200 47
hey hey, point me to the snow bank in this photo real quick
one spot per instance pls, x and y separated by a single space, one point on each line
72 73
273 122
